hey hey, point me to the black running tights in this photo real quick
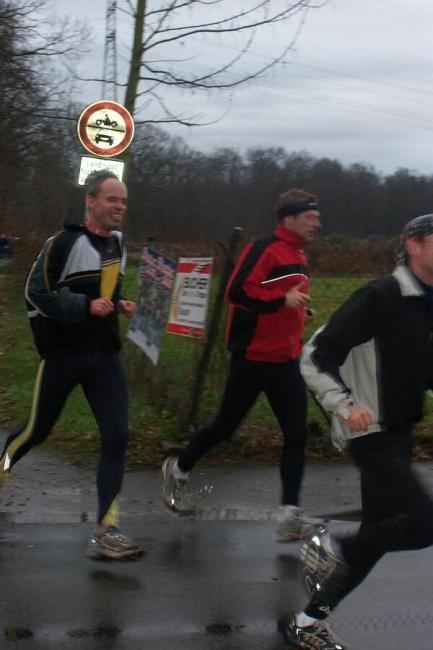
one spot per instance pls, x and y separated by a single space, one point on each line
397 512
285 390
103 381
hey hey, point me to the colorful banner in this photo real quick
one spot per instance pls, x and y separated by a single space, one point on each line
190 296
155 284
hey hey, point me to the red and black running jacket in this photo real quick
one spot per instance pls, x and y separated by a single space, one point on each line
260 327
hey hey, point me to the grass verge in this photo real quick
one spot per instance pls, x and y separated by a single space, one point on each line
157 396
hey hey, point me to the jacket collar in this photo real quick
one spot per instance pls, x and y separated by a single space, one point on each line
290 237
409 286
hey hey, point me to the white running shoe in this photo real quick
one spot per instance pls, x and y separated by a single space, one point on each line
294 525
317 636
173 490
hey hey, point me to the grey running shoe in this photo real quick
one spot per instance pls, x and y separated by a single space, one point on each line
320 562
173 491
317 636
112 545
293 525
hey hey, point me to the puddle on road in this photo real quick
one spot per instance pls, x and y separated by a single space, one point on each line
221 629
121 582
99 632
10 539
289 568
17 633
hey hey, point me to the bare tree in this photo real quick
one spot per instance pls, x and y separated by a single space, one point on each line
35 31
31 88
163 30
32 44
170 45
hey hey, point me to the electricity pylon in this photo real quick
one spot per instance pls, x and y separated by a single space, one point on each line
109 75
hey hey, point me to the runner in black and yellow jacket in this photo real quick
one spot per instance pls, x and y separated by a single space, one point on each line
73 268
73 299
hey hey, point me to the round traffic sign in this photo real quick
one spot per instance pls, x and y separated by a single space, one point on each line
105 128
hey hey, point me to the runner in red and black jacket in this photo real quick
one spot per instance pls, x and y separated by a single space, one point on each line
261 327
268 294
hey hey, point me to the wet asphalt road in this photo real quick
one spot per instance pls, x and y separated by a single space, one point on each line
218 581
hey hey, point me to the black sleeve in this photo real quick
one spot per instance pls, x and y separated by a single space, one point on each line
41 290
358 320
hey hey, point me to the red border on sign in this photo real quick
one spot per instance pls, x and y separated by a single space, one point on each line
91 146
185 330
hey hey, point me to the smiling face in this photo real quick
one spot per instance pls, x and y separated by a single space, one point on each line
305 224
107 207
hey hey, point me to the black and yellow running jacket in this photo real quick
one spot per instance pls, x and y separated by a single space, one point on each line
72 268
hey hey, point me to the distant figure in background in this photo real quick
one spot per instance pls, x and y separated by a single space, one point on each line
268 293
370 365
5 247
73 298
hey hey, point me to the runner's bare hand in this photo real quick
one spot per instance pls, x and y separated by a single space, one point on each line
359 418
296 298
127 308
101 307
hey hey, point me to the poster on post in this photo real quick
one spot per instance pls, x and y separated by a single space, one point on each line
190 296
155 284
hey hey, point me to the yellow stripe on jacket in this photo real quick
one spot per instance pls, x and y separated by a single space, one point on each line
109 276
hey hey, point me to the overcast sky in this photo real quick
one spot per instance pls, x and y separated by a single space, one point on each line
357 87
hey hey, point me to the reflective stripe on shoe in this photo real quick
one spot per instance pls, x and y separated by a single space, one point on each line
5 464
320 562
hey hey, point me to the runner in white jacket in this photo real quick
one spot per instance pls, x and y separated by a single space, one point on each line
370 365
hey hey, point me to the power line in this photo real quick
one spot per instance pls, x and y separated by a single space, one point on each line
342 102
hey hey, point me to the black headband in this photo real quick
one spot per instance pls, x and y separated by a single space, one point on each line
297 208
